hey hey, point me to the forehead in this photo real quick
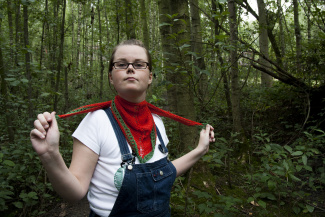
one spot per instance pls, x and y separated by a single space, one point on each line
130 53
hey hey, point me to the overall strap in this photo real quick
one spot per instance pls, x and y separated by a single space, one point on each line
162 147
127 157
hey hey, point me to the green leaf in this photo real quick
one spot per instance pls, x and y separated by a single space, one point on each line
45 94
164 24
298 168
288 148
296 210
304 159
310 208
294 178
9 163
24 80
297 153
19 205
262 203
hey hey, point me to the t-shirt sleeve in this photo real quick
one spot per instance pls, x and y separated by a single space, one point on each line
89 130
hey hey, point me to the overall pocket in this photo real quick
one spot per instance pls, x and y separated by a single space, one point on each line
154 188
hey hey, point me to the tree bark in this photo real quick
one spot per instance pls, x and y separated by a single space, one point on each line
4 93
198 58
11 34
58 76
100 55
180 97
144 22
221 61
27 63
235 96
129 19
263 42
17 36
297 34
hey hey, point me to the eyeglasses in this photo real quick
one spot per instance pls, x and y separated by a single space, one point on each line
125 65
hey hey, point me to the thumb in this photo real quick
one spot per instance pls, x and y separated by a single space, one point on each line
54 122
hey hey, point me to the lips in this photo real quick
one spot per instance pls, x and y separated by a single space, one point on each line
131 79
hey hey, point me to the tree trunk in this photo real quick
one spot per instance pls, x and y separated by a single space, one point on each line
179 95
281 32
129 19
57 85
196 45
263 43
27 64
17 36
221 62
100 55
80 6
298 35
145 32
43 33
11 34
235 96
4 93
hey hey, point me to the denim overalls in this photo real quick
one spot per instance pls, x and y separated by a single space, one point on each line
146 187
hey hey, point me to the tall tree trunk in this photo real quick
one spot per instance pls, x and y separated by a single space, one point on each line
235 96
179 95
11 34
129 19
196 45
221 61
17 36
281 32
4 93
298 35
27 63
117 5
100 55
80 6
57 85
145 32
263 43
43 33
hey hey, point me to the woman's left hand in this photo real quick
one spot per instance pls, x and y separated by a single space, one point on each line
206 136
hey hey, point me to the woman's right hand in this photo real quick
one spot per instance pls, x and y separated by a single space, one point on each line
45 137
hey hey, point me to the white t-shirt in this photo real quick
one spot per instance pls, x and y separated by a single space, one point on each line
96 132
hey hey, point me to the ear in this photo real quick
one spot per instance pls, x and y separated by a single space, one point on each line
110 78
150 78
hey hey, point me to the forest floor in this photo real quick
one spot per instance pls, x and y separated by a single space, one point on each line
65 209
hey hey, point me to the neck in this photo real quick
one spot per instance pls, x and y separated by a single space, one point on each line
133 99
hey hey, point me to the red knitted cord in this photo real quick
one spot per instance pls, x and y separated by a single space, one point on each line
153 109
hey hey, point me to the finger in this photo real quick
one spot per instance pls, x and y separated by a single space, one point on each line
39 126
43 119
36 134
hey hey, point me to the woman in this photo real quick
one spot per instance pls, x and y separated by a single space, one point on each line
119 152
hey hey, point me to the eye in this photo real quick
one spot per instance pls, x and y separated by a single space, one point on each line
121 64
140 64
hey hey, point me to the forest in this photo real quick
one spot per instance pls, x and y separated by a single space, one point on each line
254 70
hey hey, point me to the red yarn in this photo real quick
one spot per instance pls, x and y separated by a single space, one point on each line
153 109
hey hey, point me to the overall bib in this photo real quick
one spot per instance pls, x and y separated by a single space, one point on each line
145 189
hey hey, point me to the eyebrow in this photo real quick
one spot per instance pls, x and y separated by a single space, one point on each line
136 60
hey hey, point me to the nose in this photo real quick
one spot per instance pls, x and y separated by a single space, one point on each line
130 68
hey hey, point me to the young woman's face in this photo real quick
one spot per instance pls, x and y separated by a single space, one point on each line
130 83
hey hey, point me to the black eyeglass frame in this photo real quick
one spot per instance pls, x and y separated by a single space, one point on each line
127 66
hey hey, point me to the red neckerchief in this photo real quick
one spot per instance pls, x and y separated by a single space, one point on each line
137 119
